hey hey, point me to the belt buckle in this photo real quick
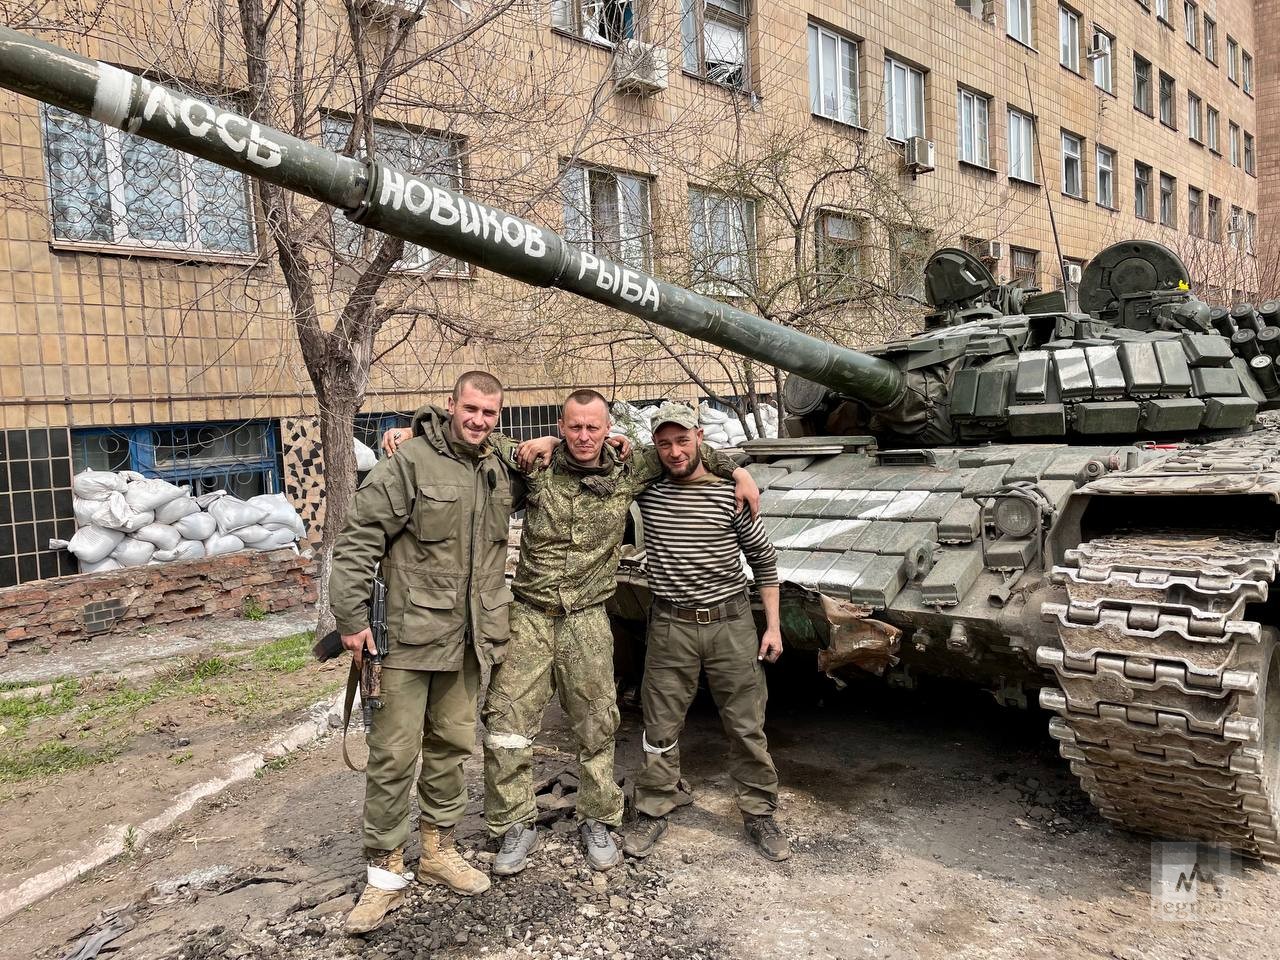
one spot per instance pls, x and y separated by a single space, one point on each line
703 615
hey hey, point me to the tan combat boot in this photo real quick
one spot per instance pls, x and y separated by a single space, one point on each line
441 863
377 901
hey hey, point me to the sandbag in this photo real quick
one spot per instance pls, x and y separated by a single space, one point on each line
366 459
253 533
197 526
133 552
708 415
160 535
91 544
85 510
280 512
97 566
186 550
218 544
234 514
176 509
274 540
116 514
96 484
128 476
205 499
151 494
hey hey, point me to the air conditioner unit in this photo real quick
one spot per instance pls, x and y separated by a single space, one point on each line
991 250
1097 48
919 155
406 11
1073 271
639 68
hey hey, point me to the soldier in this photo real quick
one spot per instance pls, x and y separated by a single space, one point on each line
436 516
695 537
561 641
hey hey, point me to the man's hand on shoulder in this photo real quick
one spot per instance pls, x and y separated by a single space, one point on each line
746 492
534 454
392 439
622 444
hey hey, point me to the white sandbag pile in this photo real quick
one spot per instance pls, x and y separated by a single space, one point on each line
127 520
719 429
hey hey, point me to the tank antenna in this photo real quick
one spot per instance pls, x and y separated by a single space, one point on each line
1053 223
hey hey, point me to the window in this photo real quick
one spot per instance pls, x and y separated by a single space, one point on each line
1195 212
1246 71
1162 10
109 187
1142 85
1191 21
713 35
1233 143
1106 164
911 249
839 252
1072 166
970 7
1211 129
833 75
1069 39
1018 20
1210 39
1168 201
1025 267
1168 111
722 238
973 111
237 457
607 213
1102 73
1233 60
904 100
1250 232
1248 153
1142 191
434 158
1235 228
601 21
1022 132
1215 219
1195 128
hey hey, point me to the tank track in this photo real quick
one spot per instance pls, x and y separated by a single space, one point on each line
1163 698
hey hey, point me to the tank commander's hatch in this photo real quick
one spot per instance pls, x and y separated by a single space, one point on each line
1128 269
954 278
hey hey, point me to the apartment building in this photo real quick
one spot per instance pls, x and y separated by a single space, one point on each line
145 324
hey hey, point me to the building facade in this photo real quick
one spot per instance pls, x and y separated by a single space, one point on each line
801 158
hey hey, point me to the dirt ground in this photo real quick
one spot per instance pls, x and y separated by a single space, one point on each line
926 824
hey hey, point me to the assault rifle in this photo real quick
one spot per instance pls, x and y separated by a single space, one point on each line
367 678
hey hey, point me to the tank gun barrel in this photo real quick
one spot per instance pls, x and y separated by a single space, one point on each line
399 203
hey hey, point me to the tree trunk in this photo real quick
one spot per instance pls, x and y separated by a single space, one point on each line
337 427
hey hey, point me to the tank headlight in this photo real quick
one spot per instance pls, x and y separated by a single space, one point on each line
1016 516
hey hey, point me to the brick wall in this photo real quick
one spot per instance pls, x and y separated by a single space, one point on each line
53 613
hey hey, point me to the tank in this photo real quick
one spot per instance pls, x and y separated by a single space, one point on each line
1074 507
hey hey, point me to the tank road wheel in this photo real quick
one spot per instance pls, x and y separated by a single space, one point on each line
1168 698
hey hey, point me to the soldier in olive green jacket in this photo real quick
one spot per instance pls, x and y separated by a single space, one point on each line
436 517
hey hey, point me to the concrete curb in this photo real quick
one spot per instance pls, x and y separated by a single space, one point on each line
112 844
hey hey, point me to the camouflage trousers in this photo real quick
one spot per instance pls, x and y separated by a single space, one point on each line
571 656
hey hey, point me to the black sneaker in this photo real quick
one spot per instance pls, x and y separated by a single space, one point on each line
767 836
642 836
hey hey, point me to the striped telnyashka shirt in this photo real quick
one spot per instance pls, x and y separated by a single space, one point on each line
694 542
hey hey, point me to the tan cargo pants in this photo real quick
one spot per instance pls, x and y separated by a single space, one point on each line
432 712
677 651
571 656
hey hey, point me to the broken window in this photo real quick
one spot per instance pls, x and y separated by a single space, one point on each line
600 21
713 34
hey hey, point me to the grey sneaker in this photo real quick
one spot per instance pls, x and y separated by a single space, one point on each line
602 852
517 843
641 839
767 837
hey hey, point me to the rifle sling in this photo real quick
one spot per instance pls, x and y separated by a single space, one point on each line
353 684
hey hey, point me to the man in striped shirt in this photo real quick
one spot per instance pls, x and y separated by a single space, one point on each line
695 538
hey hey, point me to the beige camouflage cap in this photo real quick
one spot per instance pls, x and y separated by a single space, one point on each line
677 413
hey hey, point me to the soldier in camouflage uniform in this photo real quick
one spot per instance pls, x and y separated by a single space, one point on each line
561 641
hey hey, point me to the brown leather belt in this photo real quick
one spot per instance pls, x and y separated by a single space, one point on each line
732 607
